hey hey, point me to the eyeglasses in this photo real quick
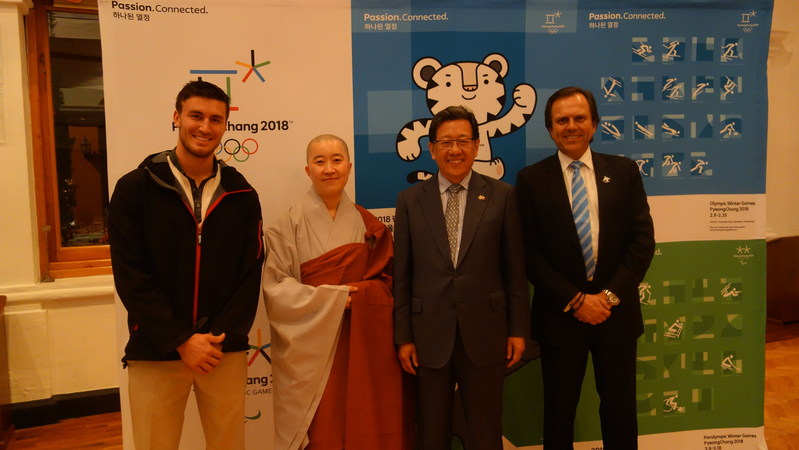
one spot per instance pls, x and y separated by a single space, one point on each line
448 143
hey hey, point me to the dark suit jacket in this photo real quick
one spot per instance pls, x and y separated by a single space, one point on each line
485 294
554 259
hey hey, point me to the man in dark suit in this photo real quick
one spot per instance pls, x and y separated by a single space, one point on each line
589 240
461 305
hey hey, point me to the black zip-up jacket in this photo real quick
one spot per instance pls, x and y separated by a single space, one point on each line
176 277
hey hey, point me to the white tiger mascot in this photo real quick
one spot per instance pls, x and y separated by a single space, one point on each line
479 86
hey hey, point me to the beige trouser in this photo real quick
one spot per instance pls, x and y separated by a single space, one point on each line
159 391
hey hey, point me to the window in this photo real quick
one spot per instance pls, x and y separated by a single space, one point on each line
68 114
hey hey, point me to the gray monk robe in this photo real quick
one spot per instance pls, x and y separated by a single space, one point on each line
337 380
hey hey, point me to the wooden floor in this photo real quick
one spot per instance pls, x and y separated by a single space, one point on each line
781 412
101 431
781 407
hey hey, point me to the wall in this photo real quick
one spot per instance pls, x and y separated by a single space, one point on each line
782 182
61 335
17 261
61 338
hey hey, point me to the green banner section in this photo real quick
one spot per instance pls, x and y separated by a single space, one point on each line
700 359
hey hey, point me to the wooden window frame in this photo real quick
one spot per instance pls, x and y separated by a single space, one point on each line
55 261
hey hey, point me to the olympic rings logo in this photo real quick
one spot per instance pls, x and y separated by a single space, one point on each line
240 151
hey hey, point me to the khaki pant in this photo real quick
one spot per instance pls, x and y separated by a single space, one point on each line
159 391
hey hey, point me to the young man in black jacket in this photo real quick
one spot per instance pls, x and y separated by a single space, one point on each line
186 248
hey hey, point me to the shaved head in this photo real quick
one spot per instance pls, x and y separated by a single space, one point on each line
324 138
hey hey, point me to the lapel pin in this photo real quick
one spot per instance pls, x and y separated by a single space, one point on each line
606 180
481 197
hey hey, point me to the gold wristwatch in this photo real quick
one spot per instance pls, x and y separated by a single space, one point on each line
613 299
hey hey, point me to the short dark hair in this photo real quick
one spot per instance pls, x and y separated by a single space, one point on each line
200 88
453 113
568 92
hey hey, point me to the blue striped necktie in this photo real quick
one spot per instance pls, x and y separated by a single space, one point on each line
582 219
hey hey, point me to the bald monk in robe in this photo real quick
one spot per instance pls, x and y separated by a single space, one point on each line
327 286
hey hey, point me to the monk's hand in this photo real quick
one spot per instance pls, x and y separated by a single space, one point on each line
515 350
202 352
348 305
407 357
594 310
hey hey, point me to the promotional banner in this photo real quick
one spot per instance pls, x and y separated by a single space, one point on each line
287 69
681 89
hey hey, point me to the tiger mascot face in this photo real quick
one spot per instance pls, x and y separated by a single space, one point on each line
479 86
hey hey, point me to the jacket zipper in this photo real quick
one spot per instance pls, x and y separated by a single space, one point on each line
198 250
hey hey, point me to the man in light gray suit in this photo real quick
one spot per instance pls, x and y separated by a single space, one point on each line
461 311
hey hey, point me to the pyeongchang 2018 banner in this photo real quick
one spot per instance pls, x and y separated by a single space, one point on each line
681 89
